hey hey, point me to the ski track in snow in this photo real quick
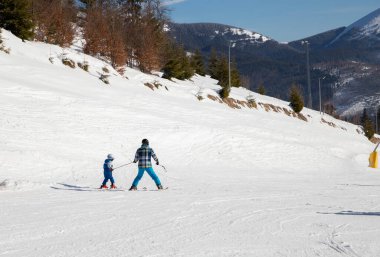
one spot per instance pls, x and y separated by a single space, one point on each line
241 182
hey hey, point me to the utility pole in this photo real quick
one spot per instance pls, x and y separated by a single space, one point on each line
320 96
229 65
310 103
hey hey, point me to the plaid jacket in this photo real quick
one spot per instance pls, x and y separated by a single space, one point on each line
143 156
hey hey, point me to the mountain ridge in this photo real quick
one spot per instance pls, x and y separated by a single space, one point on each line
366 26
278 65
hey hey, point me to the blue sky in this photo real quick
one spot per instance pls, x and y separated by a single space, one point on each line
282 20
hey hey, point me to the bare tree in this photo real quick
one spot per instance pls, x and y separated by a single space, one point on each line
96 31
54 21
150 50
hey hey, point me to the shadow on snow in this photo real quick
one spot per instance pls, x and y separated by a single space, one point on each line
71 187
353 213
359 185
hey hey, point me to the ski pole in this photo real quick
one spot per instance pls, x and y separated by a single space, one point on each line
376 147
122 165
163 167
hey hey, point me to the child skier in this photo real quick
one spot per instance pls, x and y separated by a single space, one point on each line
108 168
143 156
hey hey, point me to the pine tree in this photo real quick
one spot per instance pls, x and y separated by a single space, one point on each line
364 116
171 69
223 77
15 16
261 89
178 65
367 124
222 72
369 130
187 71
296 99
197 63
235 75
213 64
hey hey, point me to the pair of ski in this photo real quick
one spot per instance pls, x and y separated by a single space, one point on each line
123 190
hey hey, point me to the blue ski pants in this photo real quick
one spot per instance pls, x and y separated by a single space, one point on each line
150 172
108 176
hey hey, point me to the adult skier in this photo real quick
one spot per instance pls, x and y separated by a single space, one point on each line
143 156
108 168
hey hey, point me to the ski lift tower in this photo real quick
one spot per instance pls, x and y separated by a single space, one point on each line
310 103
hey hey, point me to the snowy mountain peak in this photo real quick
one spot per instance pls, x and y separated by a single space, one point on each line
245 35
199 34
368 26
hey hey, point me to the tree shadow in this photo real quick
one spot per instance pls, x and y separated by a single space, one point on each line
71 187
353 213
359 185
359 213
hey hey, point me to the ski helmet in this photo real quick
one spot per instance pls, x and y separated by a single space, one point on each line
110 157
145 141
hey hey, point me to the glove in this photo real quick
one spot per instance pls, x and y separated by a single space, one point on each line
157 163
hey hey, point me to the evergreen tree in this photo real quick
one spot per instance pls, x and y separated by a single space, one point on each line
364 116
296 99
378 120
178 65
261 89
213 64
222 72
367 124
197 64
225 92
368 128
235 75
15 16
222 76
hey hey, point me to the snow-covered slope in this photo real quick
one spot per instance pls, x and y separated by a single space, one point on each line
242 182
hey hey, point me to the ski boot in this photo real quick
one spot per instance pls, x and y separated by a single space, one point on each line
160 187
103 187
113 186
133 188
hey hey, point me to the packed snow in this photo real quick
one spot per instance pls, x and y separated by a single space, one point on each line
242 182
